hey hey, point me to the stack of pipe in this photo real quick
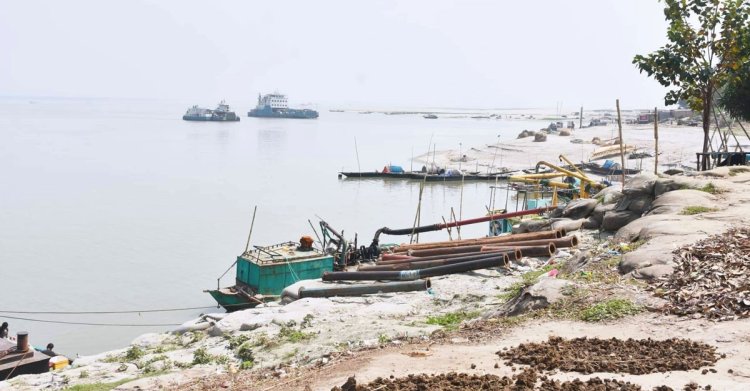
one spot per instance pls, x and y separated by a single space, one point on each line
414 261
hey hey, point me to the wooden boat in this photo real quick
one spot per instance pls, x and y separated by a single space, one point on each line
610 151
263 273
420 176
604 170
20 358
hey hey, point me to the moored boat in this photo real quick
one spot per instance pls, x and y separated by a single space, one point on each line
222 113
263 273
275 106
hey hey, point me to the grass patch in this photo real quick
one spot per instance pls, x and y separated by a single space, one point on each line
608 310
98 386
291 335
451 320
710 188
201 356
134 353
694 210
738 170
527 279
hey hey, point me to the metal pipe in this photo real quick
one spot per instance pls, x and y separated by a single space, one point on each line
552 234
408 275
438 227
514 254
391 257
364 289
527 251
568 241
430 258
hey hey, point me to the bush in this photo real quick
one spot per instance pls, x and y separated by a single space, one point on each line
201 356
451 320
610 309
134 353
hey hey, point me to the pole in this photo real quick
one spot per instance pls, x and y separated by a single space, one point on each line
622 147
357 151
580 118
411 164
461 207
416 217
251 229
656 141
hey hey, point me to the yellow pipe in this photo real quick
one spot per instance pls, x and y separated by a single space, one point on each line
563 158
583 178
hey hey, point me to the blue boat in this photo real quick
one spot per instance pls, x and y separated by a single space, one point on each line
275 106
221 113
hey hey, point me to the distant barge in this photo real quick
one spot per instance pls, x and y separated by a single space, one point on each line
220 114
275 106
424 177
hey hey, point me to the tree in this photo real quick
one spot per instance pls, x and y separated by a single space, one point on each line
735 95
706 39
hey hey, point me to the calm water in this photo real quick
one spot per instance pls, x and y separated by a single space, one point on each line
119 205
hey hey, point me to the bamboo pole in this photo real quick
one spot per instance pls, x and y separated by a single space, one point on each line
252 224
622 147
656 141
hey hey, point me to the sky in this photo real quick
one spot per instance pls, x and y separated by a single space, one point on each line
419 53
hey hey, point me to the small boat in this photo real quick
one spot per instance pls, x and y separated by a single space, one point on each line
221 114
608 168
20 358
610 151
430 116
263 273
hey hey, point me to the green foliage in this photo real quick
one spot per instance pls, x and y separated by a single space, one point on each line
694 210
383 339
707 43
710 188
237 341
84 374
98 386
451 320
738 170
291 335
134 353
610 309
201 356
735 96
247 365
527 279
245 352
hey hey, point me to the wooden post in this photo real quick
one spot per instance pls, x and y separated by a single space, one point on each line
356 150
252 224
622 146
580 117
656 141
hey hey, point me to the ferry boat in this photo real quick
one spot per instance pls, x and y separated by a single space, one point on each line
221 113
263 273
275 106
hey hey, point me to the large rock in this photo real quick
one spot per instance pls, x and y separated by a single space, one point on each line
653 272
526 133
609 195
568 225
640 185
540 295
580 208
533 226
652 226
665 185
635 203
540 137
598 213
675 202
591 223
614 220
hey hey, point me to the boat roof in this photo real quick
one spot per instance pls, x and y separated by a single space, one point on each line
281 252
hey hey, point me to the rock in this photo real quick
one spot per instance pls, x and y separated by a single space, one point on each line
564 132
651 226
580 208
526 133
596 141
609 195
665 185
650 254
149 340
675 202
653 272
673 171
540 295
576 263
635 203
591 223
640 185
557 212
598 213
614 220
539 137
215 332
568 225
534 226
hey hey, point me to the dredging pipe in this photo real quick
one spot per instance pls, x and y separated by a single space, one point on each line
436 257
418 264
364 289
438 227
568 241
527 251
552 234
408 275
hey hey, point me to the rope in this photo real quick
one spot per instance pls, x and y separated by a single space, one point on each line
104 312
94 324
18 363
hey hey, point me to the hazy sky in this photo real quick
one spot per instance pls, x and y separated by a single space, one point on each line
387 53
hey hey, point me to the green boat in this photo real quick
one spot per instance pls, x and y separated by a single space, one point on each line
263 273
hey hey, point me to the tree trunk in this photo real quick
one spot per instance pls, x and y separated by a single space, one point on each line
707 103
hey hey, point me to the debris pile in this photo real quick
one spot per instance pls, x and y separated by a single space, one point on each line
589 355
711 279
527 380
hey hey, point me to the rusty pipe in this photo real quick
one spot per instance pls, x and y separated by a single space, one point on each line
22 341
364 289
429 258
408 275
527 251
568 241
391 257
554 234
439 262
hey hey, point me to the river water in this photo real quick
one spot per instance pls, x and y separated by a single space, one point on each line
112 205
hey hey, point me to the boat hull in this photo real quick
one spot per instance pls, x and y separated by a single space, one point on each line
212 119
424 177
267 112
231 300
